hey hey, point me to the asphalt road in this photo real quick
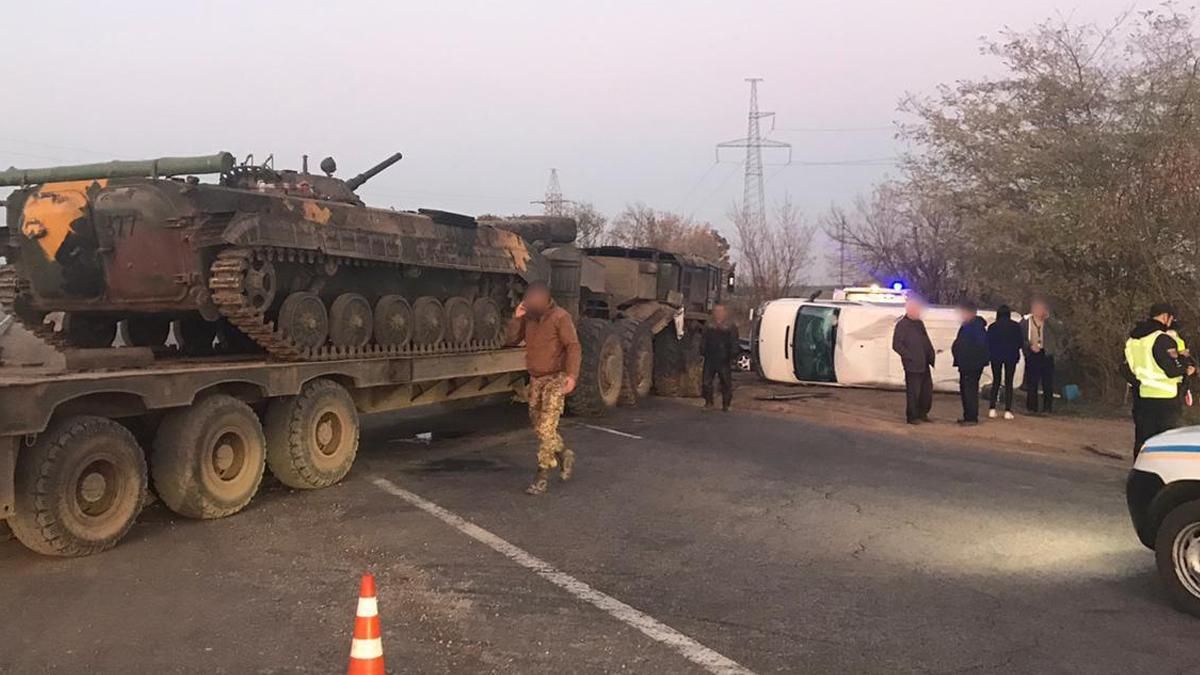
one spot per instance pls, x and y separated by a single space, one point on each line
778 544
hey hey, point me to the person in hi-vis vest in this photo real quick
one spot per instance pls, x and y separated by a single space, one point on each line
1155 364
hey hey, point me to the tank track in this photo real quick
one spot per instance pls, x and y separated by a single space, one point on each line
226 283
11 288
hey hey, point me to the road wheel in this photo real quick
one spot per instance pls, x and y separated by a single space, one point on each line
429 321
638 345
487 320
460 320
1177 553
209 459
83 330
145 331
668 363
79 487
350 321
603 369
312 438
303 320
393 321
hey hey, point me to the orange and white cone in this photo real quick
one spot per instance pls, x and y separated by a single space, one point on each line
366 650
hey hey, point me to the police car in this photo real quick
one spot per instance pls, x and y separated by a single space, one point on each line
1163 493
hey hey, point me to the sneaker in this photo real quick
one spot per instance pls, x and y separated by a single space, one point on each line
568 464
992 414
968 423
1009 416
540 483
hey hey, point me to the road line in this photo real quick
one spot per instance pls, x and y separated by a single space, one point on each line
690 649
609 431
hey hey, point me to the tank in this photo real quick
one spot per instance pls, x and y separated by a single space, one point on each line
253 259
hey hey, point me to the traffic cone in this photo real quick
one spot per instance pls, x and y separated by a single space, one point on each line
366 650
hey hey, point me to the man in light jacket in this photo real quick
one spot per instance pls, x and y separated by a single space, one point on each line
1043 340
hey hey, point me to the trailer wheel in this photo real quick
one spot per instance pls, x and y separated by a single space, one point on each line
602 371
668 363
79 487
1177 554
209 459
312 438
639 360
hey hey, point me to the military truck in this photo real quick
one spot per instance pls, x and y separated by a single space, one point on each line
82 441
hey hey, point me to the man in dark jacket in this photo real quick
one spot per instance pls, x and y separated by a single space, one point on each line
911 342
1004 351
970 350
1155 365
720 347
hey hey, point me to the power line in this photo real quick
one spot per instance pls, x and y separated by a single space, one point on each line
833 130
753 194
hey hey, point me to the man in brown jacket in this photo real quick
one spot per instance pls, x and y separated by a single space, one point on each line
552 357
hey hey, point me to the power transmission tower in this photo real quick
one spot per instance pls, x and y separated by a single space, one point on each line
754 208
553 203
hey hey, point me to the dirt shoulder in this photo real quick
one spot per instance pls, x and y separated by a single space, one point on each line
1105 439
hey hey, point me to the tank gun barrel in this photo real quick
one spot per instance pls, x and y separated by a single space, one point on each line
357 181
156 168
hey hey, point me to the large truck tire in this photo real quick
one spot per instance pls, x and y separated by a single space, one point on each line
208 459
312 438
603 369
638 344
1177 554
668 363
80 487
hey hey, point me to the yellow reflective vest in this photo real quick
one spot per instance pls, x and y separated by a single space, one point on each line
1152 380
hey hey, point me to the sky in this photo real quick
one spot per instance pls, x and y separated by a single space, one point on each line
626 99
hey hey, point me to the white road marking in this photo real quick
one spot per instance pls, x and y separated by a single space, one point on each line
690 649
609 431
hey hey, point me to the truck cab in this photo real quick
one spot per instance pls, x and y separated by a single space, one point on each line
1163 495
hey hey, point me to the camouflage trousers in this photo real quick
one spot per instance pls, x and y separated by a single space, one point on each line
546 401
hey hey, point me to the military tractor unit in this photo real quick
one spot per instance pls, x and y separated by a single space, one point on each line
217 329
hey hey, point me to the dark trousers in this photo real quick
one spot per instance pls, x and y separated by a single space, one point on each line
1039 372
968 389
725 375
1152 416
918 393
1009 372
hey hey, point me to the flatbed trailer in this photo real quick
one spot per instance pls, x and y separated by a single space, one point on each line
75 445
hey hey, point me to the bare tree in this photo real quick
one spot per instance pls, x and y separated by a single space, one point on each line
592 226
641 225
772 255
902 233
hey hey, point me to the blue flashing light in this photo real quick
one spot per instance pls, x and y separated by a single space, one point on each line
897 285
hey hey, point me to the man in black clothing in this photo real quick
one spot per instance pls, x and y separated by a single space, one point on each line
970 350
911 342
720 347
1004 350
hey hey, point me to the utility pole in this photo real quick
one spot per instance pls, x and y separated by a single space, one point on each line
754 208
553 203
